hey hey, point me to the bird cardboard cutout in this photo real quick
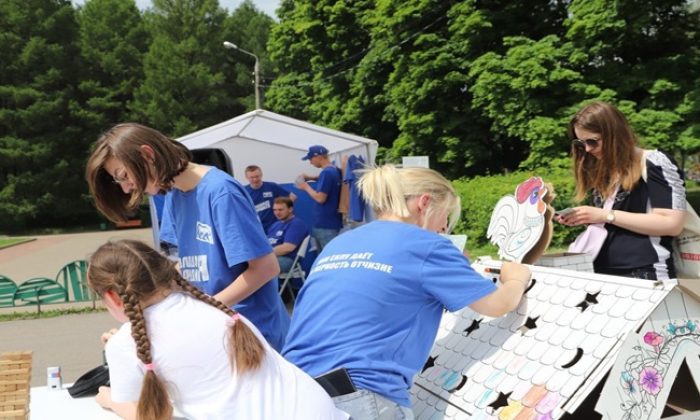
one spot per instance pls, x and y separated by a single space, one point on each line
521 225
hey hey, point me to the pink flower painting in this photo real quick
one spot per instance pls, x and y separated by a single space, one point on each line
650 380
654 339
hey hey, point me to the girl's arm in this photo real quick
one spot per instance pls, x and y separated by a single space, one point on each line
660 222
259 271
126 410
515 278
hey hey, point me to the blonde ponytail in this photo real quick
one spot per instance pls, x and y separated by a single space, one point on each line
387 188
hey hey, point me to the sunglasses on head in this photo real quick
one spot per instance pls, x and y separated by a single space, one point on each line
591 143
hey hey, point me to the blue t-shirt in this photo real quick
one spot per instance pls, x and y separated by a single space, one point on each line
292 231
356 204
326 215
217 232
263 199
373 301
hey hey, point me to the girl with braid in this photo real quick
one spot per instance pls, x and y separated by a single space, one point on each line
207 214
179 344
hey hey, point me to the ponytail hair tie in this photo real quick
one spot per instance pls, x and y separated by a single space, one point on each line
235 317
150 366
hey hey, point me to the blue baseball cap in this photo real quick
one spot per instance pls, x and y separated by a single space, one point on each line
316 150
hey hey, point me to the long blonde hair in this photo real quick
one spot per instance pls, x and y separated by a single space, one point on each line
137 272
387 188
620 163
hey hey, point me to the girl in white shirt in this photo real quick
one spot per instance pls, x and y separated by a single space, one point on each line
178 344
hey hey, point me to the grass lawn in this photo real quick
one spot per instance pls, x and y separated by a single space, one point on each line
5 242
51 313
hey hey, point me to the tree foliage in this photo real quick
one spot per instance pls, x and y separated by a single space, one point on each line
487 87
41 132
69 73
481 87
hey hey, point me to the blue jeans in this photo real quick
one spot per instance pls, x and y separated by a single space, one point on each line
323 236
367 405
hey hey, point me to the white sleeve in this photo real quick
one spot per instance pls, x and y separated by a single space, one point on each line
125 372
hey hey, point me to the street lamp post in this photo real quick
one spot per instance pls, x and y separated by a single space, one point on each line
256 69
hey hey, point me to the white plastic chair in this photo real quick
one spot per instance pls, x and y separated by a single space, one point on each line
296 272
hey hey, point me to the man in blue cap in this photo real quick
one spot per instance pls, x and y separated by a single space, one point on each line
325 193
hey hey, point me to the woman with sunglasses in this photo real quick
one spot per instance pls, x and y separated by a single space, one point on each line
645 213
208 215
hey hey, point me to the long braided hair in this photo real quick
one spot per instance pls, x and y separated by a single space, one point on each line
137 272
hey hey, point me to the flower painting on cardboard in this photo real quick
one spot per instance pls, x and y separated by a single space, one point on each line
643 377
650 380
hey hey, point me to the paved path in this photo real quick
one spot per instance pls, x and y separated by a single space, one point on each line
45 256
69 341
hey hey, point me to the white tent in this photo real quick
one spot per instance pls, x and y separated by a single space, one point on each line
276 143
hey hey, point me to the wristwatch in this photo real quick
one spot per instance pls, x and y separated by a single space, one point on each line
610 217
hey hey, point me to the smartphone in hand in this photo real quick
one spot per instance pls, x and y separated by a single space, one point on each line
563 211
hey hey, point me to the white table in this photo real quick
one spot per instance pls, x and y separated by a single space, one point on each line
57 404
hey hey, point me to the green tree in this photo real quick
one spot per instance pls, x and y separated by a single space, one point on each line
249 28
183 89
315 48
113 40
42 140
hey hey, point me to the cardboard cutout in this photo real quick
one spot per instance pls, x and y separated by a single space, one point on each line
522 222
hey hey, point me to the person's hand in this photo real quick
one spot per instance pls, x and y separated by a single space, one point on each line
584 215
104 338
515 272
104 397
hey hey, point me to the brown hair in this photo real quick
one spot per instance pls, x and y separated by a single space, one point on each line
137 272
124 142
285 200
620 162
252 168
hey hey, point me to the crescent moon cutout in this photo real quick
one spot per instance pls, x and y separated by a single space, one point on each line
461 384
532 284
579 354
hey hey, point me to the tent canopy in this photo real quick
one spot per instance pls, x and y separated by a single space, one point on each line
276 143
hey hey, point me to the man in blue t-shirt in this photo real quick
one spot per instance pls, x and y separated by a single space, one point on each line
287 233
263 194
325 193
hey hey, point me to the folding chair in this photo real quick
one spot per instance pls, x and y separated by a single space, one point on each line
296 271
7 292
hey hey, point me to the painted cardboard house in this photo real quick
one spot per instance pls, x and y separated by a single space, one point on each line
572 332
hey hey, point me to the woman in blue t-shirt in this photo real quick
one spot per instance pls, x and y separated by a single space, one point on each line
375 295
222 248
646 212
